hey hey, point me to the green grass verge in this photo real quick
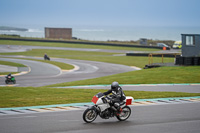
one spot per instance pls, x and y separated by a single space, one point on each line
59 53
31 96
61 65
53 44
190 74
93 56
6 73
11 64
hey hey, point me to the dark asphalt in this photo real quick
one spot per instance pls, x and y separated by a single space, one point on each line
168 118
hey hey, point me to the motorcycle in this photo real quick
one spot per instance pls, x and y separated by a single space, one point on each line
10 79
47 58
102 108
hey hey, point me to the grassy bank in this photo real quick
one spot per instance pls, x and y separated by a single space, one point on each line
61 65
70 45
6 73
92 56
11 64
190 74
31 96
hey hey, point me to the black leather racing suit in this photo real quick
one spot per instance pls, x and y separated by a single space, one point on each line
45 57
117 96
8 76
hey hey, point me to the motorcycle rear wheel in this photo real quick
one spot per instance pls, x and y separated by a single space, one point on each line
89 115
125 114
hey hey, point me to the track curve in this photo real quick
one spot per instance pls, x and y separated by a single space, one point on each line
87 69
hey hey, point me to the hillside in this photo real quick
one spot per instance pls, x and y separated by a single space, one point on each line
12 28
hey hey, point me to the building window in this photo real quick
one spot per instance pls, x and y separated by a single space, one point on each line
190 40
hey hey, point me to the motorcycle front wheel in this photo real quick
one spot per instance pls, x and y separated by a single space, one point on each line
124 115
89 115
6 81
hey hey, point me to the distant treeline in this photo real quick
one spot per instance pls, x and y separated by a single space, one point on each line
9 35
12 28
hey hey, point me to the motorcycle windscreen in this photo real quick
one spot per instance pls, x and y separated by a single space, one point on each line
95 99
99 95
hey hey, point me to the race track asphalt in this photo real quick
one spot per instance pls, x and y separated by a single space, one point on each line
168 118
165 118
42 74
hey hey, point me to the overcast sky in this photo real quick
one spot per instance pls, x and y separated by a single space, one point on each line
100 12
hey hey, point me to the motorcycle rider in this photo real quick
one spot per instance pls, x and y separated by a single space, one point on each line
46 57
117 96
9 76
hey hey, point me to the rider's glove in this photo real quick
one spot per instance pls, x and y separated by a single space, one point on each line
110 101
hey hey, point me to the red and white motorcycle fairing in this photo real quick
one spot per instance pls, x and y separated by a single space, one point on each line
105 111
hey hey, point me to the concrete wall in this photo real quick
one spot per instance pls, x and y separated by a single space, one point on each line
191 50
58 33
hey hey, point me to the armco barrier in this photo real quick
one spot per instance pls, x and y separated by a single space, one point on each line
187 61
156 55
79 42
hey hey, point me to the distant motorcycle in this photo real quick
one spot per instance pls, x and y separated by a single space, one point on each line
47 58
105 110
10 79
